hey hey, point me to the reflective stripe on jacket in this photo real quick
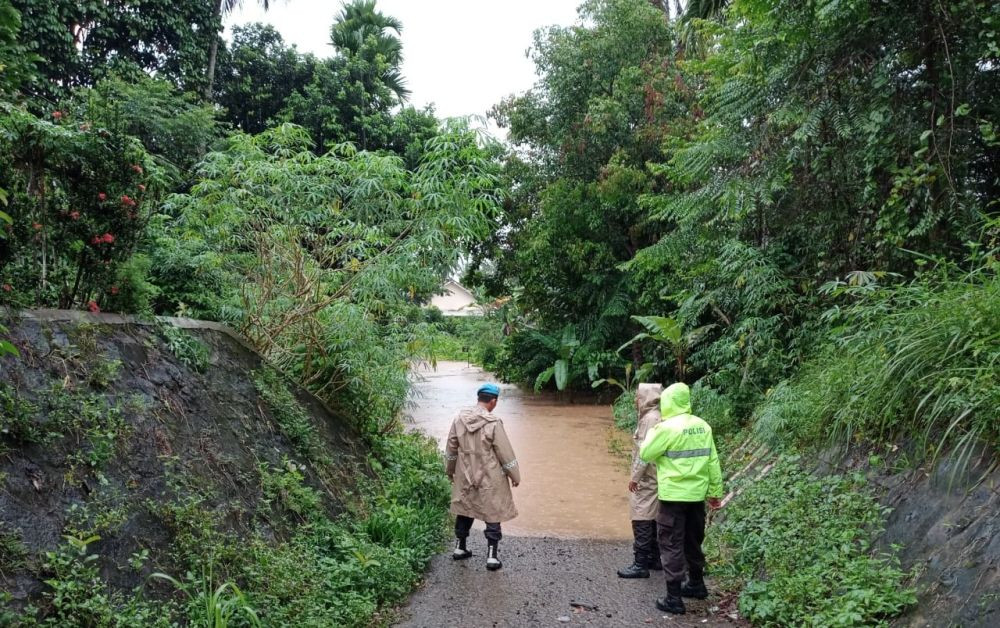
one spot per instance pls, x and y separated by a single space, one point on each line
683 450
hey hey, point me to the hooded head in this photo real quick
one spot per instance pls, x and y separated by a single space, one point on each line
647 397
676 399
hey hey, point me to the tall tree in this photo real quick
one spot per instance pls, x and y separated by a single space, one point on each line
221 8
82 42
363 34
257 74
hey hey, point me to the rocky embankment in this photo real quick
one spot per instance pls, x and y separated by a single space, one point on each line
111 427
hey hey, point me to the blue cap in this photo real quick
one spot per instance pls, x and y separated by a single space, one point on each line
489 389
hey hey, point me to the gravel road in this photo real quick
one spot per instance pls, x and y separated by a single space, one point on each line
548 582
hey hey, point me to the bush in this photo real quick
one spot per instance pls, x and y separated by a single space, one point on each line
920 360
716 408
78 204
624 411
799 544
465 338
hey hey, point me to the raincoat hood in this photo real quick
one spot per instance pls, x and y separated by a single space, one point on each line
647 397
475 418
676 399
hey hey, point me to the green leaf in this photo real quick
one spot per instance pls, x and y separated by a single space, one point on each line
660 328
562 374
544 377
6 348
635 338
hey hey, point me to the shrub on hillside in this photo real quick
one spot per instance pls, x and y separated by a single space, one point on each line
799 545
921 359
78 203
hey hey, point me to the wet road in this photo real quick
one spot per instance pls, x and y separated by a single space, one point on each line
572 487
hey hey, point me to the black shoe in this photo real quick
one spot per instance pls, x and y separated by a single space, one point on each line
492 562
694 589
635 570
671 604
656 566
460 552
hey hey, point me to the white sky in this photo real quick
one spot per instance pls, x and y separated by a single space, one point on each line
463 56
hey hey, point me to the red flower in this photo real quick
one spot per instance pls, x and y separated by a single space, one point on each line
114 289
142 187
93 307
36 226
127 200
96 240
102 196
57 115
137 168
7 287
107 237
74 215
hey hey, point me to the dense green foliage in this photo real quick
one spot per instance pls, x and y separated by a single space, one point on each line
791 206
922 360
719 172
82 42
473 339
146 167
810 536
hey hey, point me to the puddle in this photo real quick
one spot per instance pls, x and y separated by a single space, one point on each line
571 487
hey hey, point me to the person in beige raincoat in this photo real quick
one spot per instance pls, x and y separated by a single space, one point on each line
643 501
482 468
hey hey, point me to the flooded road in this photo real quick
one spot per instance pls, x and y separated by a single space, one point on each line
571 486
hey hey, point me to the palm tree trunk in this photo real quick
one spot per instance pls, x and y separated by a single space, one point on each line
213 52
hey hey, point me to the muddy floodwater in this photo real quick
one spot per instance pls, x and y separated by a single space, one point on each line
571 486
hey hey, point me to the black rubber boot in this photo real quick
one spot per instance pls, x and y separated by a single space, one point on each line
635 570
492 562
672 603
461 553
694 587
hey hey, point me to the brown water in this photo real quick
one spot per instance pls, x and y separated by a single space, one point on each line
571 486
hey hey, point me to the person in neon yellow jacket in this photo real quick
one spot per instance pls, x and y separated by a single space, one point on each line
687 474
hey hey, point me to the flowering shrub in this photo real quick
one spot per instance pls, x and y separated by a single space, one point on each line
78 199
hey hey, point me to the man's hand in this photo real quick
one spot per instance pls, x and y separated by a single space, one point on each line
451 478
633 486
514 484
714 503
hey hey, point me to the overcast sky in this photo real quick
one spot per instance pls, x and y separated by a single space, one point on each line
461 55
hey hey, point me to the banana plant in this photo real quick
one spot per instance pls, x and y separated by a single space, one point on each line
566 351
629 382
668 332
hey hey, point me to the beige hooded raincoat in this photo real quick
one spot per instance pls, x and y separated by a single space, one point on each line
643 503
481 465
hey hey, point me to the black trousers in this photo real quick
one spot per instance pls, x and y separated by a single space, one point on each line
647 554
680 530
463 524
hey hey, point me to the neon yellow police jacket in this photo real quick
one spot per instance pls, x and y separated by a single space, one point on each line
683 450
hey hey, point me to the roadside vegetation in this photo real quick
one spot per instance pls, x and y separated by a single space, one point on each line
793 208
151 168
